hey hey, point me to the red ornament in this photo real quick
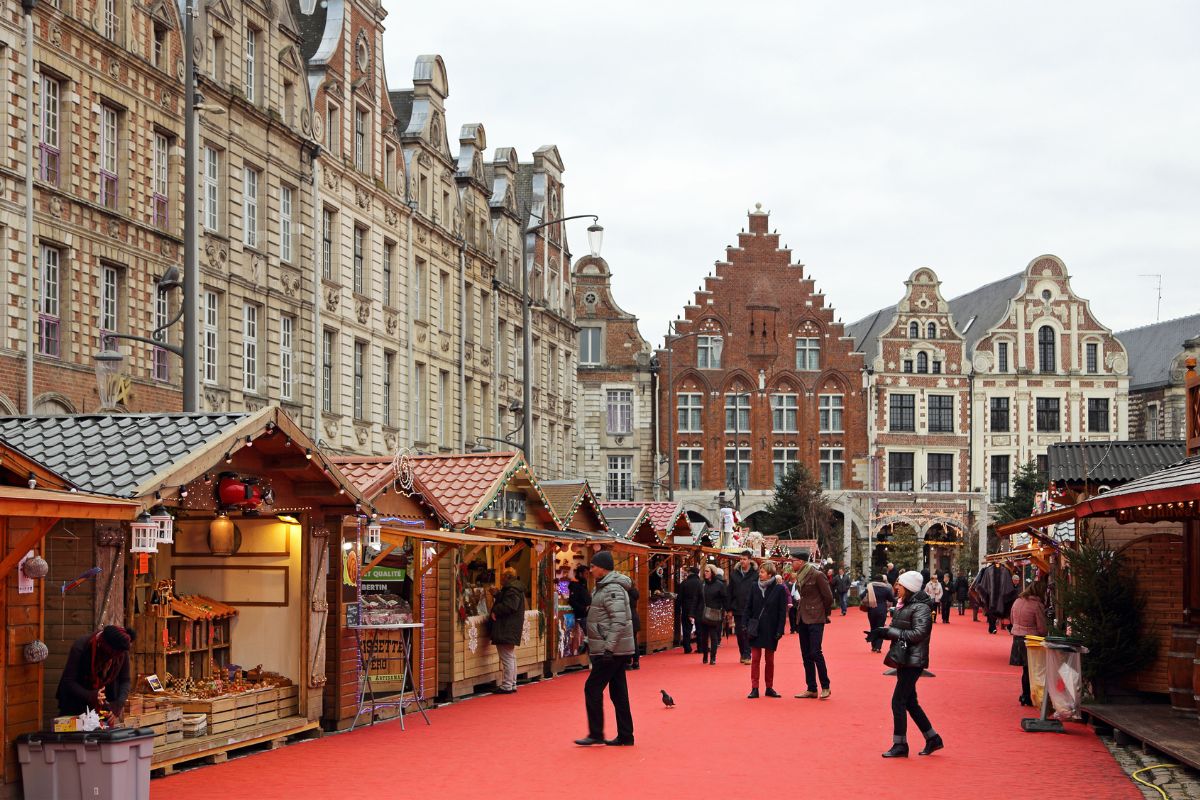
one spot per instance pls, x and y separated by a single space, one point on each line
238 491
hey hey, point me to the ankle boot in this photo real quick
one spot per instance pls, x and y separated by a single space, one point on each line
897 751
932 745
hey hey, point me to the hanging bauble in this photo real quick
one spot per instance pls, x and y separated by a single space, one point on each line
36 652
35 567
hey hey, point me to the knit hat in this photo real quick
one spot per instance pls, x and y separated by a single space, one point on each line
604 560
912 581
118 639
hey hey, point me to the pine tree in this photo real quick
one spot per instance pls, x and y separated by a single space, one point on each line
799 506
903 547
1019 504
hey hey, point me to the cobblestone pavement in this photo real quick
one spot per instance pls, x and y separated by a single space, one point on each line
1180 783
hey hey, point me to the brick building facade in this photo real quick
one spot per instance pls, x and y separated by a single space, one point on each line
617 426
759 376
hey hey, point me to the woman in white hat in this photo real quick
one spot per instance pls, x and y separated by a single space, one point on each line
912 623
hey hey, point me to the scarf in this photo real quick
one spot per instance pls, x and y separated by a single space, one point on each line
767 584
106 662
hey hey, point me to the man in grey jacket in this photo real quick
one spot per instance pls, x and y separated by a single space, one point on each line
611 644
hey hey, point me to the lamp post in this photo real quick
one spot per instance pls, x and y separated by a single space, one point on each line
595 239
671 421
109 359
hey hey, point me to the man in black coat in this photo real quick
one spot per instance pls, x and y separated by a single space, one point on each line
892 574
688 603
961 590
743 579
841 589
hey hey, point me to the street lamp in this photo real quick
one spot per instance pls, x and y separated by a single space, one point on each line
595 239
671 421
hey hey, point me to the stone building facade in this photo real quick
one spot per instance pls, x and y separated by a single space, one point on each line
107 102
1157 356
759 376
617 386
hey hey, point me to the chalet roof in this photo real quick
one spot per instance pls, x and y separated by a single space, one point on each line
1110 463
1185 473
1152 348
459 487
628 521
566 496
663 514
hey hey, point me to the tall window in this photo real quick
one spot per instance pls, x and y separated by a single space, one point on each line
218 58
1092 357
360 246
389 255
162 181
333 129
998 479
328 343
784 409
782 461
902 412
109 132
708 352
110 282
1002 356
285 223
112 21
360 367
833 464
250 206
941 472
162 370
327 244
914 330
1152 426
808 354
1046 359
1000 415
691 462
907 366
737 467
287 332
389 369
418 392
251 65
445 310
502 359
690 408
50 308
922 362
900 472
50 141
1098 415
589 346
620 478
250 347
941 413
361 124
620 411
830 413
212 333
212 188
737 412
421 280
1048 415
935 367
160 46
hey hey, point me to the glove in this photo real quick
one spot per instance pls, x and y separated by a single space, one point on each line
876 635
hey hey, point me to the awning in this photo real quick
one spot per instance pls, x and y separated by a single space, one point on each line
46 507
1036 521
396 535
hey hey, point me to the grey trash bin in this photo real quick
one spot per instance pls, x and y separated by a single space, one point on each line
97 765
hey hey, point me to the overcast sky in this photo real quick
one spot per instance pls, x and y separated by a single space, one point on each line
882 136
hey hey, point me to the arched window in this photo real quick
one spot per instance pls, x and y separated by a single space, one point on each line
931 330
914 330
922 362
1046 349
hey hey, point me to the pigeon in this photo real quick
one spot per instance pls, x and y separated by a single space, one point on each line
668 701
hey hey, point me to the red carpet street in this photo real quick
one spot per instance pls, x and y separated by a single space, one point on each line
713 741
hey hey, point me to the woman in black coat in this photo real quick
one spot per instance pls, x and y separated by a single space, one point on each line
912 624
947 596
634 595
714 594
767 610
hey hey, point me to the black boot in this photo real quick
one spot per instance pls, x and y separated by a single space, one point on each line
932 745
897 751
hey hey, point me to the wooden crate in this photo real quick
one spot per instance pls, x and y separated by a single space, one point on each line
289 702
246 700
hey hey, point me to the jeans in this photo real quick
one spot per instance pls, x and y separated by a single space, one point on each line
767 656
904 702
743 639
843 601
608 672
508 662
708 638
811 637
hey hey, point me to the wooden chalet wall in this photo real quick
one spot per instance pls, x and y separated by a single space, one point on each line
1156 561
22 711
341 663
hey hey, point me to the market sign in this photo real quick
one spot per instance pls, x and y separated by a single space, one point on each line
378 580
385 649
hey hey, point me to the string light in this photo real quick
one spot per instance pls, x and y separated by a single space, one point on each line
228 457
249 441
287 442
308 453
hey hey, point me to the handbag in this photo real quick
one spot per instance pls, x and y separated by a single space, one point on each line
752 625
710 616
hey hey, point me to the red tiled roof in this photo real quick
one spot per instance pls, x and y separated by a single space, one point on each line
663 514
458 486
365 472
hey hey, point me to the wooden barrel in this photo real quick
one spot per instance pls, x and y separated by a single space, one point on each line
1180 669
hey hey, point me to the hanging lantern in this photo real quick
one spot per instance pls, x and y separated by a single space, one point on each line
35 652
35 567
375 536
166 525
221 532
145 534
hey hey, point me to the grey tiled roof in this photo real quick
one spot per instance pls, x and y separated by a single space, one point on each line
312 27
113 454
1185 473
1110 462
622 518
1151 349
866 331
524 191
402 102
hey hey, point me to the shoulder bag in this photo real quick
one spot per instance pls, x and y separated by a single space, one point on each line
752 625
709 616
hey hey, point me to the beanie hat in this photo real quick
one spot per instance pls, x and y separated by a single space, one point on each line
913 581
118 639
604 560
